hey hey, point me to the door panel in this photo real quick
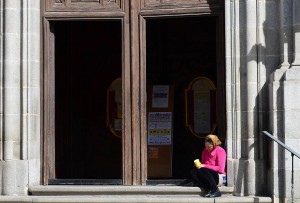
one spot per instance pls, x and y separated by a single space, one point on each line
88 58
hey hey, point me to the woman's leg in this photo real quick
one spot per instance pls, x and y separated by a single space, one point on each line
209 177
205 178
196 178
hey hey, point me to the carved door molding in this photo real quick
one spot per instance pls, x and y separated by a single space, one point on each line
83 5
181 4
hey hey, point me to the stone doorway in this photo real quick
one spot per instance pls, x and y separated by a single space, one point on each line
133 16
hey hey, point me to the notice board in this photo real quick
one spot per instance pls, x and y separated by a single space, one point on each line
160 114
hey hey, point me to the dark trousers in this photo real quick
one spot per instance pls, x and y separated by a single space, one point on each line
205 178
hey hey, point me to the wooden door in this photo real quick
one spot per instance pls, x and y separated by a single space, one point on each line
75 81
170 32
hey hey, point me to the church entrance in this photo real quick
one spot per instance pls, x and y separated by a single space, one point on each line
129 89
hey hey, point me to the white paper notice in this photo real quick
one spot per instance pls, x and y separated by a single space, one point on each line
160 96
160 128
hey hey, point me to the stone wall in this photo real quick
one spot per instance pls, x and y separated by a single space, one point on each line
262 48
285 106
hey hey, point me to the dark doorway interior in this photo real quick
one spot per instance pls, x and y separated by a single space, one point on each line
179 50
88 57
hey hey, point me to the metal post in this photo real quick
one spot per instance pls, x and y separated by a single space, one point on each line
292 189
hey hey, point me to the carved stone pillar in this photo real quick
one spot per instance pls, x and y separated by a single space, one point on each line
20 95
12 118
232 90
252 53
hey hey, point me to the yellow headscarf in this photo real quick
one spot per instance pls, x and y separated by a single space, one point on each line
214 139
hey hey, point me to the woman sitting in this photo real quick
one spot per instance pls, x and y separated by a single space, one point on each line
213 161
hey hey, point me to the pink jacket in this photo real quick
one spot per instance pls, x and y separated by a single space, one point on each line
215 160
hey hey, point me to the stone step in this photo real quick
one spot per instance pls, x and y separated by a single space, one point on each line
132 199
127 194
64 190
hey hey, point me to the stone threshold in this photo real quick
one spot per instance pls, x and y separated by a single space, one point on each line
65 190
133 199
127 194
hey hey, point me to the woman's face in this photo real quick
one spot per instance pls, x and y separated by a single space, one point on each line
209 146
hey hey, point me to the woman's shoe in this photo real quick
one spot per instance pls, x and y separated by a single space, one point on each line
208 193
217 193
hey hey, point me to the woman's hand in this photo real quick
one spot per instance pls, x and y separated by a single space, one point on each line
201 166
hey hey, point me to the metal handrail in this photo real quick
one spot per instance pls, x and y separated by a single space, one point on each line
293 153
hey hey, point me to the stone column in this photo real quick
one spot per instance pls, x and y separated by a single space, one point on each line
31 88
249 85
251 174
252 52
14 170
232 90
20 64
